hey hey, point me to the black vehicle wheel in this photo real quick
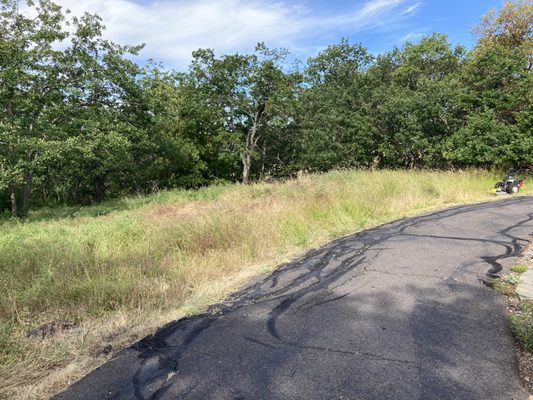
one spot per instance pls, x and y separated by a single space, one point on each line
512 189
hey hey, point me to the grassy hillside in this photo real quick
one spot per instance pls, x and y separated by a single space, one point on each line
119 270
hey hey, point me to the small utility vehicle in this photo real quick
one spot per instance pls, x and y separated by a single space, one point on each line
510 183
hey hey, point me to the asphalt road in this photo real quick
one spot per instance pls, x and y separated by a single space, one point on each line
395 312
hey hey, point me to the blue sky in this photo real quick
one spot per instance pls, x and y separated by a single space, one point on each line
172 29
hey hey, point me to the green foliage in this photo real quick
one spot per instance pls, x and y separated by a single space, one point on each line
522 325
56 100
80 123
485 141
418 104
249 99
336 129
519 269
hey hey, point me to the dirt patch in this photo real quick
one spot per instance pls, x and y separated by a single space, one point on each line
525 366
50 329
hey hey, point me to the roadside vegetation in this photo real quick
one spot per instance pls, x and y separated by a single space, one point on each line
522 325
520 311
114 272
520 269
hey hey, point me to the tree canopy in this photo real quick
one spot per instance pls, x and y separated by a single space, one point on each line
81 122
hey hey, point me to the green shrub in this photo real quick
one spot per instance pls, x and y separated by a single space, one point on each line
520 269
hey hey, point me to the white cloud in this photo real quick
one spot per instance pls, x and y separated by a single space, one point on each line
374 14
412 37
172 29
411 9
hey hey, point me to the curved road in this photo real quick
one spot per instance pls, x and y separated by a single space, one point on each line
395 312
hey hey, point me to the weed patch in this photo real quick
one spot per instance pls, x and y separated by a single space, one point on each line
503 287
522 325
519 269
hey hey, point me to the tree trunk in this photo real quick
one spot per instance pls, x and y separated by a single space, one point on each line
99 188
26 190
263 162
251 143
14 210
246 163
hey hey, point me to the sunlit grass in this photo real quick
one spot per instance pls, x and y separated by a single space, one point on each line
122 268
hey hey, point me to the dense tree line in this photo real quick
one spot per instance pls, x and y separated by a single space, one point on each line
80 122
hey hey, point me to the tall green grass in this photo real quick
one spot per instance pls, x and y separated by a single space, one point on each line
85 265
522 325
156 253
